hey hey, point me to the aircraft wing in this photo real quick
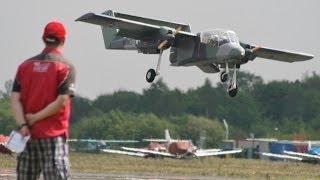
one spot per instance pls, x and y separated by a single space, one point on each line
203 153
124 152
279 55
303 155
282 156
146 151
155 140
209 150
127 27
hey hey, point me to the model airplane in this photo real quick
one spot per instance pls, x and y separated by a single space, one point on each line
3 148
306 157
172 148
311 156
210 51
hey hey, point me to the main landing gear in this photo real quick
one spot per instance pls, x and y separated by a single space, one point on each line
232 87
151 74
225 74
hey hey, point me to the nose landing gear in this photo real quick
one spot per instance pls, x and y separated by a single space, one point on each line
233 90
232 87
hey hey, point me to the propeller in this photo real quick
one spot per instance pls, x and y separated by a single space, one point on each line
249 53
255 48
163 43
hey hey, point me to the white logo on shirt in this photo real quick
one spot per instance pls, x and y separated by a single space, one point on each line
40 67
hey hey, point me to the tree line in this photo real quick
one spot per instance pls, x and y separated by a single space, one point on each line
277 109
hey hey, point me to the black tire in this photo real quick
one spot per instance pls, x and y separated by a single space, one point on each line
151 74
233 92
224 77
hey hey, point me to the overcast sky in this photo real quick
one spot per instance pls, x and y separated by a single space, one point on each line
285 24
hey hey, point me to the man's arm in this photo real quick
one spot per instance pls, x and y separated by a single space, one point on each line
18 114
49 110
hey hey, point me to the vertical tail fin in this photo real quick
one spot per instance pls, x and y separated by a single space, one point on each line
111 38
309 145
109 34
167 135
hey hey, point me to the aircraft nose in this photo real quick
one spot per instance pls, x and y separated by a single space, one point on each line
237 52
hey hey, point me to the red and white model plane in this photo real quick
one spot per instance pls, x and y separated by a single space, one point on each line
171 148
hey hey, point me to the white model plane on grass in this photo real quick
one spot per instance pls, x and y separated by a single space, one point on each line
312 156
305 157
171 148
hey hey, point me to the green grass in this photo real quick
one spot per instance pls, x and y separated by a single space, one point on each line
212 166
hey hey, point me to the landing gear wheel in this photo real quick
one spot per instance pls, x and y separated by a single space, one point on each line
151 74
224 76
232 91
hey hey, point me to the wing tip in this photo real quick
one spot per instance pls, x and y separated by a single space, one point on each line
309 56
85 16
305 56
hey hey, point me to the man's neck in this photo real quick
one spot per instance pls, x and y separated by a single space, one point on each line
56 49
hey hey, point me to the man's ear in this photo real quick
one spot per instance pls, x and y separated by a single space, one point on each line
62 41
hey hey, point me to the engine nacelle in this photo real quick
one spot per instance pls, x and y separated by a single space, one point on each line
248 56
166 34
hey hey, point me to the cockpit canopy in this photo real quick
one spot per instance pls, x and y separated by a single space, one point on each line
218 37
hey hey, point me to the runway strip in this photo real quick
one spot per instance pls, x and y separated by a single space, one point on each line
10 174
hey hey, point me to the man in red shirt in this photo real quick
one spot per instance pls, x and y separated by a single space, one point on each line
40 102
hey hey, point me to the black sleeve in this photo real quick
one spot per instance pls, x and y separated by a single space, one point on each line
16 86
68 85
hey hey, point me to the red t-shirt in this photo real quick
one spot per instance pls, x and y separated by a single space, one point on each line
40 80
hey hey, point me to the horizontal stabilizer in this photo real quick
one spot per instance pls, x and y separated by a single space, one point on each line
128 28
174 25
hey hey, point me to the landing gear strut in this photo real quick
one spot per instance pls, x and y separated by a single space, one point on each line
233 88
151 74
224 74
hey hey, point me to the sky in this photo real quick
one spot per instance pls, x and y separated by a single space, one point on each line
286 24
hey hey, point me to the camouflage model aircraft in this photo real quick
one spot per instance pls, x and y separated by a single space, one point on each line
210 51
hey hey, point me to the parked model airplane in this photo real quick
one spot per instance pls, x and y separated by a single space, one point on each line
3 148
208 50
171 148
312 156
305 157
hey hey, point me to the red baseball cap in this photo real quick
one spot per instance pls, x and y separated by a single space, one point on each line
54 31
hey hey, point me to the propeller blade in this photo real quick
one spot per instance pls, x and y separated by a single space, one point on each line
177 30
163 43
255 48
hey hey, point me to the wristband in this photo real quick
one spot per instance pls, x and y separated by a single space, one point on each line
21 126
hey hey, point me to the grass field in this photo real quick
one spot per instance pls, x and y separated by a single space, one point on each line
212 166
